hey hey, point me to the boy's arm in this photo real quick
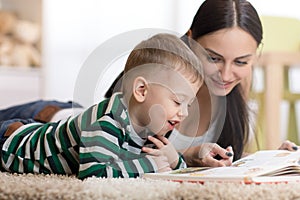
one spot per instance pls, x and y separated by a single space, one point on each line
181 162
103 153
111 168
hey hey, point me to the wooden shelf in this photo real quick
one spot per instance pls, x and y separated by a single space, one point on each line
20 84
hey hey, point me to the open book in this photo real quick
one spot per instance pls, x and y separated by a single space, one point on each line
268 166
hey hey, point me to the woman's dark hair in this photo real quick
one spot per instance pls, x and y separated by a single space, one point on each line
214 15
116 85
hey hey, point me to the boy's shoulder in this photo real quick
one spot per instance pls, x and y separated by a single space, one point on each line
113 105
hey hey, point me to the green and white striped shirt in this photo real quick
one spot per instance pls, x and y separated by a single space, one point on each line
99 142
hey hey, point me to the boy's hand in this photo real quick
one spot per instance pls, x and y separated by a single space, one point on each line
203 155
165 147
161 162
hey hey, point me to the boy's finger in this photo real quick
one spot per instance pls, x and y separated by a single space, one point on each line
156 141
151 151
163 139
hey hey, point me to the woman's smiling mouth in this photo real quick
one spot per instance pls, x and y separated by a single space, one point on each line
222 85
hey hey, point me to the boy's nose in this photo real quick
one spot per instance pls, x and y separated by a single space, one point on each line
183 112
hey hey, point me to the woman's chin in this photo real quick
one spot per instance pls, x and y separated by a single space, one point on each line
219 92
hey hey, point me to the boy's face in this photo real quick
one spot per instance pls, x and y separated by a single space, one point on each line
166 102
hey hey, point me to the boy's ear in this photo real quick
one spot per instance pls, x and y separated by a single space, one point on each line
140 86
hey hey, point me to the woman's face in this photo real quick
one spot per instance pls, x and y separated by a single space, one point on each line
231 55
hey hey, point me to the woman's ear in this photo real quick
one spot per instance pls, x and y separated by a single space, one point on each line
140 86
189 33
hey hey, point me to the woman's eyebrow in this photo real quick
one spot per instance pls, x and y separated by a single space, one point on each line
245 56
240 57
213 52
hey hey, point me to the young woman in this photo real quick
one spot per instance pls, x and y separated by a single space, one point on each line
230 31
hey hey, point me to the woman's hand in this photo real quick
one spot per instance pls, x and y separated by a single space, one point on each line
203 155
164 147
288 145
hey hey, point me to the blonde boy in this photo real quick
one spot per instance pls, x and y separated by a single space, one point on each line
162 77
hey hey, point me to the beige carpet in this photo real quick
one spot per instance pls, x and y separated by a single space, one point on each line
13 186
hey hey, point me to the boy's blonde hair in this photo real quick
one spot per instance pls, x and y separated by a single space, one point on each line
156 59
168 50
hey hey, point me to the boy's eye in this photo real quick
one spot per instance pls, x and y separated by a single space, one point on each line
177 102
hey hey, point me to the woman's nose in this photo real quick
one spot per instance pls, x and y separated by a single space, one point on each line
226 72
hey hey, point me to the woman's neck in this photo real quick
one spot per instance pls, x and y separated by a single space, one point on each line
205 107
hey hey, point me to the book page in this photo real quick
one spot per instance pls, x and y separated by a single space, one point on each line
268 163
261 163
269 157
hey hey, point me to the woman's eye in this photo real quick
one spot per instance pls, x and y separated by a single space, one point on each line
213 59
241 63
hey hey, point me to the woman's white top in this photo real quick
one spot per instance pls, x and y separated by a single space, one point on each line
181 141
